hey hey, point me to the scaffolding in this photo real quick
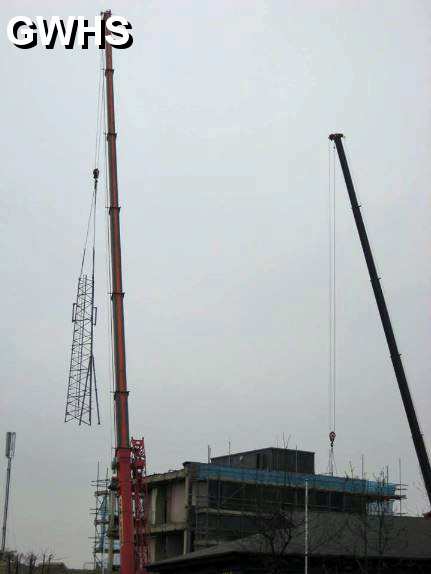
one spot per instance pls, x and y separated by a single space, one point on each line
106 540
105 516
229 501
203 504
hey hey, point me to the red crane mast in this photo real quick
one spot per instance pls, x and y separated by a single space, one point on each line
123 453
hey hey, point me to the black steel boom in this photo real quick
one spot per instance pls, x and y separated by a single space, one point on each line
418 440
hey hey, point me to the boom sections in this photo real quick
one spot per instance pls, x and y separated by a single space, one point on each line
417 436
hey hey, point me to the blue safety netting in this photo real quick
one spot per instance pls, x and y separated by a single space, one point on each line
281 478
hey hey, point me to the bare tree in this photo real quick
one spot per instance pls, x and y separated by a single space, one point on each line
18 558
275 530
376 530
278 521
30 560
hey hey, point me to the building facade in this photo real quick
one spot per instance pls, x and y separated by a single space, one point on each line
206 504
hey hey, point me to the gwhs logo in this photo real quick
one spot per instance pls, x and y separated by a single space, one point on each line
24 32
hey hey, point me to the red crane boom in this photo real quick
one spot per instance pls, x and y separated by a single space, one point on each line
130 457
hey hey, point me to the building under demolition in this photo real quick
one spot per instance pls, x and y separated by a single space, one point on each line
203 504
207 504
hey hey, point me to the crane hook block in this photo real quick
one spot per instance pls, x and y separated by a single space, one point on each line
332 436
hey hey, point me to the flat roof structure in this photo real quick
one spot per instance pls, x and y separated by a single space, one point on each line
337 544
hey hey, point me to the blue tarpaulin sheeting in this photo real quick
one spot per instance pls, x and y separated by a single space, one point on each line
315 481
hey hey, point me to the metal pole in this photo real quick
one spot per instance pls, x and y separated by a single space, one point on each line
104 529
417 436
6 505
306 529
127 559
399 470
10 451
96 516
111 501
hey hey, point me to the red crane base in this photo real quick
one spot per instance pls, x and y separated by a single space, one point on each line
138 466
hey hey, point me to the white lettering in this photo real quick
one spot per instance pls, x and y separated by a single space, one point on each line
27 37
119 37
23 32
48 31
84 31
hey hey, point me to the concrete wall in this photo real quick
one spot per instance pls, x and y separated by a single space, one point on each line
167 517
200 493
167 503
152 549
177 502
152 511
270 459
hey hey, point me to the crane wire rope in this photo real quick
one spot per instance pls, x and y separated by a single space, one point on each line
82 372
92 214
332 323
92 220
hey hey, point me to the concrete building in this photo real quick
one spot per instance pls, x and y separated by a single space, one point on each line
207 504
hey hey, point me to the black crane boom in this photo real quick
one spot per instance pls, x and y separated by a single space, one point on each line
418 440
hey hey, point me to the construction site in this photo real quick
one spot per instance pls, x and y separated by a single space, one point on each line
233 497
268 510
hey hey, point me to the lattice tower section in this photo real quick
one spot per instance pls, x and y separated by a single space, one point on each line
82 375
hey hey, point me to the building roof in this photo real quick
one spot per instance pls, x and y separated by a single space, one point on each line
205 471
266 449
167 476
330 535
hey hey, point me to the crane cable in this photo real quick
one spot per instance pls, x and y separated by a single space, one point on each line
332 323
92 214
91 220
82 374
92 223
103 130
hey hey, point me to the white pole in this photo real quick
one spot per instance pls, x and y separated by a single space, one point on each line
306 529
399 470
10 451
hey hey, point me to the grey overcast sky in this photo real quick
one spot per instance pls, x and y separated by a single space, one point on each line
223 110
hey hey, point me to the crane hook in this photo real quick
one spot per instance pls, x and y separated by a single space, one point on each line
332 436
